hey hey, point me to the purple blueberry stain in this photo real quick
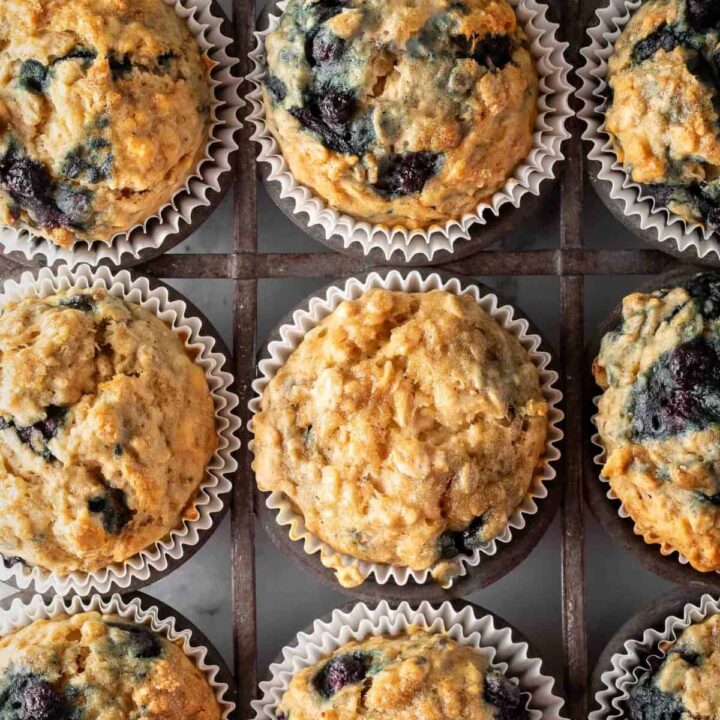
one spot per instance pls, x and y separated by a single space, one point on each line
140 641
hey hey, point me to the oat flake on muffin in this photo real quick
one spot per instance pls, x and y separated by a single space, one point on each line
662 116
99 666
106 427
402 113
414 675
104 114
405 428
659 416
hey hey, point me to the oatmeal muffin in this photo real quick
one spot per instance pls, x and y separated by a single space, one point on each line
411 676
684 684
104 114
659 416
405 428
400 112
106 426
663 105
99 666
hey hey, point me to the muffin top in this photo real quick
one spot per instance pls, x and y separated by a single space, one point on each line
406 428
106 426
662 114
414 676
404 113
104 114
684 684
659 416
99 666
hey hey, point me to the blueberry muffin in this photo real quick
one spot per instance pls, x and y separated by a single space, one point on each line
659 416
106 426
400 112
410 676
684 683
406 428
99 666
104 114
662 115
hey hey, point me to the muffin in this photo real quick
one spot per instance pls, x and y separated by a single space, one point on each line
662 113
106 427
684 683
405 429
659 416
401 113
99 666
104 114
414 675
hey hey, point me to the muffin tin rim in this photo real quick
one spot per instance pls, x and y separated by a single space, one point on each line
491 567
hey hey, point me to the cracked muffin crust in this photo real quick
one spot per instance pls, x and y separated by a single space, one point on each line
659 416
106 427
683 684
413 676
104 114
99 666
401 113
662 115
405 428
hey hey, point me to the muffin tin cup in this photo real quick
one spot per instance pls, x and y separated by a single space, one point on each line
20 610
202 191
626 656
468 624
495 558
213 495
437 244
604 504
624 197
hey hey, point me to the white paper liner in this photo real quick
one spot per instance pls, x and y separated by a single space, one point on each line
319 308
21 614
195 193
216 483
628 667
496 643
658 221
539 165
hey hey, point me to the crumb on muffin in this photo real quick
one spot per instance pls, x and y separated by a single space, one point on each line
106 427
104 114
401 113
406 428
662 113
659 416
100 666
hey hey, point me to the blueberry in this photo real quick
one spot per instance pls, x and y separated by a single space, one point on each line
326 47
703 14
142 641
81 302
353 138
689 656
407 174
84 54
114 509
41 702
118 451
10 562
336 109
26 696
276 89
704 288
463 542
119 67
54 417
692 364
647 702
505 697
281 716
33 76
340 671
493 51
664 38
164 59
74 204
660 192
325 9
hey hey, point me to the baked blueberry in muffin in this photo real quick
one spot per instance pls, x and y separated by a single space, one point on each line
99 666
406 428
682 684
400 112
106 427
662 114
414 675
104 114
659 416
